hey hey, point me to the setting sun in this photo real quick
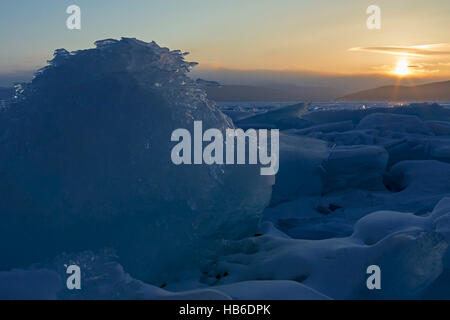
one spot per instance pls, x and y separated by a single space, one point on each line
402 68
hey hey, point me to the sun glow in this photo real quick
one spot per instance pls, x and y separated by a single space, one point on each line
402 68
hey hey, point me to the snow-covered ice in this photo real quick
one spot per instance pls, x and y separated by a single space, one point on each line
87 180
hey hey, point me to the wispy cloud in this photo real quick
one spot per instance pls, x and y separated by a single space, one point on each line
440 49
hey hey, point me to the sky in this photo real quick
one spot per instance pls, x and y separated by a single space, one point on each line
299 41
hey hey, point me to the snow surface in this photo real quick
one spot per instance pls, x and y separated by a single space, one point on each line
85 164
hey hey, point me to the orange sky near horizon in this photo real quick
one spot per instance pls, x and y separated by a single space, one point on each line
332 38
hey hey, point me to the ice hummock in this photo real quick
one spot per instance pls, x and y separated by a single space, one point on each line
85 164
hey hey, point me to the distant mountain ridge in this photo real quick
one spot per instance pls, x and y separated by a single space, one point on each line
269 93
435 91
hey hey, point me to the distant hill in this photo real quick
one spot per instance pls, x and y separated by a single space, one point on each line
270 93
436 91
6 93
